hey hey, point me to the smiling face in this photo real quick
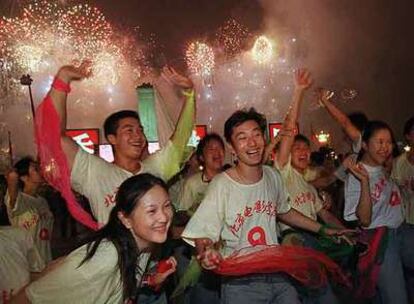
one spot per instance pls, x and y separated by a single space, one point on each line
129 141
213 155
247 142
378 148
150 220
300 155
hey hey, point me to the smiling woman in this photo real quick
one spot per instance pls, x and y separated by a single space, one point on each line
109 267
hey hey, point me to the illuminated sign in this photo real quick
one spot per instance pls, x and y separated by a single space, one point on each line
87 139
275 127
198 133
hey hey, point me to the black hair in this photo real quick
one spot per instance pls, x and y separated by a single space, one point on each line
302 138
372 127
203 143
317 158
408 126
22 168
111 123
358 119
241 116
127 198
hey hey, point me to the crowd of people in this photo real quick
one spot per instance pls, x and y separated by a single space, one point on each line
281 224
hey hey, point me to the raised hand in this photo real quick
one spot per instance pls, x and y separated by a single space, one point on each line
69 73
324 95
171 76
303 79
12 177
357 169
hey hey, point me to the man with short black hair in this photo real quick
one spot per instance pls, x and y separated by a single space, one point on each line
99 180
241 209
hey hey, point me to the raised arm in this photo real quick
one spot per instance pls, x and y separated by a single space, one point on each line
170 159
302 82
270 147
343 120
59 93
186 120
12 188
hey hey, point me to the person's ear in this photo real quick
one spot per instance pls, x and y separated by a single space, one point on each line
111 139
24 178
124 220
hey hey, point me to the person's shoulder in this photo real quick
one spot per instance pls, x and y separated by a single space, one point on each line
105 257
271 172
193 179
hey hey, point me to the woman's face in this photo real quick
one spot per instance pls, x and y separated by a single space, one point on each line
378 148
151 218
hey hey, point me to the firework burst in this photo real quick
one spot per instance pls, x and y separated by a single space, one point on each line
200 58
231 37
262 51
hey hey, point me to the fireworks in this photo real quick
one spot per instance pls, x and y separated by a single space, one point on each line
46 35
87 28
349 94
231 37
200 58
262 50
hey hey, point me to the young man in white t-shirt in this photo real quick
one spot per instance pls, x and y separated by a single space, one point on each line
241 209
26 209
99 180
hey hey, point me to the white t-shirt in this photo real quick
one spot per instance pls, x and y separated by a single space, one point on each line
97 281
18 258
303 196
193 192
32 214
99 180
403 175
239 215
385 196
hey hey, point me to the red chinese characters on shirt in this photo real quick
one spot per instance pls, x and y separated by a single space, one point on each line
303 198
260 207
378 188
110 198
31 221
395 198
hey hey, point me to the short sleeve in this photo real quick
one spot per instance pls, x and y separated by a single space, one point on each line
357 144
85 169
207 221
318 202
18 206
283 201
91 282
352 196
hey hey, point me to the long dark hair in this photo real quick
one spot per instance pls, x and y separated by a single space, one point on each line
128 196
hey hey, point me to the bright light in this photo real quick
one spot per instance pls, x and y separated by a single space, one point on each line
200 58
322 137
262 51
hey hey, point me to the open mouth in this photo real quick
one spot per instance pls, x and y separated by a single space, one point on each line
253 152
160 229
